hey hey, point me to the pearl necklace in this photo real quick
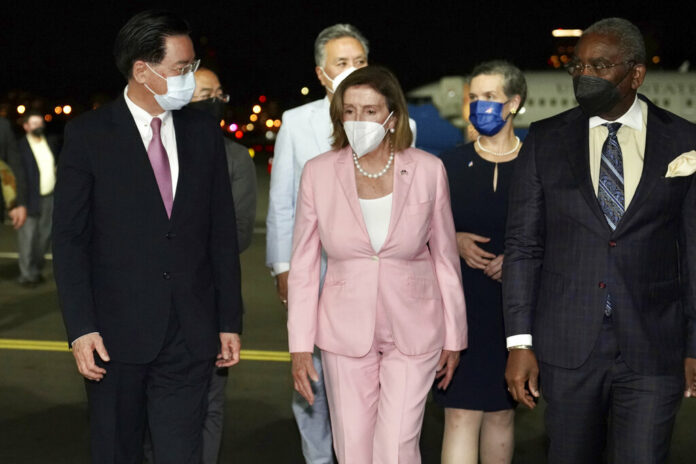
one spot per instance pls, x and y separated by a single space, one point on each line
380 173
495 170
514 149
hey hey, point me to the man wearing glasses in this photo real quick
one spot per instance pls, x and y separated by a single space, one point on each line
599 284
145 251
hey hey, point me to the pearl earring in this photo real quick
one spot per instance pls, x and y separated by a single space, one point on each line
392 130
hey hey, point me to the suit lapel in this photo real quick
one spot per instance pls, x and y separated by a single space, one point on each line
184 147
656 141
404 171
579 159
346 177
322 127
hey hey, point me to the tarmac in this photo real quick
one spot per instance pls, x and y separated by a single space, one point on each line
43 409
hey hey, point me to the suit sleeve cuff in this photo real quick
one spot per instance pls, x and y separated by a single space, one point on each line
521 339
279 268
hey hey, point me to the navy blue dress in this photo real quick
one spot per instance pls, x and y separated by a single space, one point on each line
479 381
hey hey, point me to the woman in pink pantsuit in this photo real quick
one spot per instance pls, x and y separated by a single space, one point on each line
391 315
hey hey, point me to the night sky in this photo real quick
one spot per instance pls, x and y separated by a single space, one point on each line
63 50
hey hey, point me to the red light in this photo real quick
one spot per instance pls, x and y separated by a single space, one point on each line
239 134
269 148
262 99
258 148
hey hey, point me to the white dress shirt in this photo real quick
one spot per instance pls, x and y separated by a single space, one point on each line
45 162
631 136
142 121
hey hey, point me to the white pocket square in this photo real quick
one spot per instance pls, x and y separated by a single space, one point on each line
682 165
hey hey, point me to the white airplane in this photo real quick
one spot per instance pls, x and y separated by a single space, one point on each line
551 92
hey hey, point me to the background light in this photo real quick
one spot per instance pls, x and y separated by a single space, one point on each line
253 118
67 109
269 123
566 32
262 99
239 134
277 123
256 109
21 109
233 127
48 117
58 109
249 127
304 90
252 152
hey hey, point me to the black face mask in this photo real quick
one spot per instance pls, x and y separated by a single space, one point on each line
38 132
596 95
213 106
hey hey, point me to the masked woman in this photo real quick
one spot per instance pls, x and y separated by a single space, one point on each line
479 412
391 314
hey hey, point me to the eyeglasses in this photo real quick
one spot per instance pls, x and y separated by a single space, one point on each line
191 67
576 68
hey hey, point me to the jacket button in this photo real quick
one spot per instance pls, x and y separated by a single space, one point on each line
375 258
169 235
612 244
602 285
166 276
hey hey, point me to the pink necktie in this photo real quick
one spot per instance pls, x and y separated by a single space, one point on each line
160 165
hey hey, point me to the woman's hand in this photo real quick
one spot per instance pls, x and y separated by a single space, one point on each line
302 371
494 270
475 257
445 368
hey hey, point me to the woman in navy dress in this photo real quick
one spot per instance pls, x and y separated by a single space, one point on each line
479 411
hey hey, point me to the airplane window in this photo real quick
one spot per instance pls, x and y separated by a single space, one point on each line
542 102
564 102
689 103
530 102
553 102
665 102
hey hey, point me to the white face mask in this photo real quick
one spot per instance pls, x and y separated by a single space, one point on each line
179 90
338 79
365 136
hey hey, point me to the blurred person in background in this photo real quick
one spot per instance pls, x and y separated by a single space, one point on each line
38 153
9 155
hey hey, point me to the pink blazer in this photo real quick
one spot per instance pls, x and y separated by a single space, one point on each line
415 276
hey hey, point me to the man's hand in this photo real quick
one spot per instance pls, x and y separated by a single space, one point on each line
494 270
282 287
475 257
302 371
230 347
18 214
445 368
690 377
83 350
522 370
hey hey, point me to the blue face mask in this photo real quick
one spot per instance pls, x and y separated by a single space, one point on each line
487 116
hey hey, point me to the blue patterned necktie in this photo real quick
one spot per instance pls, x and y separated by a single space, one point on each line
611 186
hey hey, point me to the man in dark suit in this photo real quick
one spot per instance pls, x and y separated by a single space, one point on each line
38 152
10 156
145 251
599 279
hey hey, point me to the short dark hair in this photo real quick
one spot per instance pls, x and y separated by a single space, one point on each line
384 82
143 38
631 43
29 113
514 82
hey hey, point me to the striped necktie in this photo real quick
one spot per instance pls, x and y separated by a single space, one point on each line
611 186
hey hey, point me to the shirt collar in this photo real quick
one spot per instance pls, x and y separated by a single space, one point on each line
142 117
632 118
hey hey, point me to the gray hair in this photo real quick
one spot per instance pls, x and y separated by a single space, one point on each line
631 44
514 82
336 31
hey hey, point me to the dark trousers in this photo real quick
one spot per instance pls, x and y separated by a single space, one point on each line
170 393
604 393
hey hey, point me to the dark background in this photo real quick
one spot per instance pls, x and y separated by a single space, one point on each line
62 51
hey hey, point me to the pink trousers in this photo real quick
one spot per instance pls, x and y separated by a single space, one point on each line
377 401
